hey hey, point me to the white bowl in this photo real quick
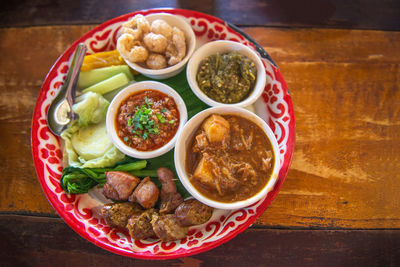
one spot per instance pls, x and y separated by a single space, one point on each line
184 140
190 37
213 48
121 96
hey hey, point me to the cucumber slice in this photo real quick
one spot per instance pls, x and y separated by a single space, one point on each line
108 85
110 95
91 77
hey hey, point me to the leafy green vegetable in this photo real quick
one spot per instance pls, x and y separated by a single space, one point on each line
87 144
133 166
75 180
91 108
92 142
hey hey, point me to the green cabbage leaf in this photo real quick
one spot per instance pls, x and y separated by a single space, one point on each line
91 108
86 142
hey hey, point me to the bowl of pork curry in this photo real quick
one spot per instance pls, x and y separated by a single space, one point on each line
227 157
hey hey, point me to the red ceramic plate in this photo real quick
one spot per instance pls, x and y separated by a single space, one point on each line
274 106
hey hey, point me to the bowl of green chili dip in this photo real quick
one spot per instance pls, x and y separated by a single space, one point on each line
226 73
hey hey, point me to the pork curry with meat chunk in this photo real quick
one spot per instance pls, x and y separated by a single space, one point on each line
229 159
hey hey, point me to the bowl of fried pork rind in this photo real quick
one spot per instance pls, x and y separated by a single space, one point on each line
157 45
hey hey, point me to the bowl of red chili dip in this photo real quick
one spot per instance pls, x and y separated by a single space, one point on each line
144 119
226 73
227 157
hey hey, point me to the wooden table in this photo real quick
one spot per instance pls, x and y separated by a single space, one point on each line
340 204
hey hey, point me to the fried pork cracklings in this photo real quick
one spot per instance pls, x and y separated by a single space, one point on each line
156 45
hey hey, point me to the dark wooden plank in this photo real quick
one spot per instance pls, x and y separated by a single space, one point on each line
363 14
27 240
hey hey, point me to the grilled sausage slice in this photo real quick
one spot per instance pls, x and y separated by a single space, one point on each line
139 225
166 227
193 212
170 198
146 194
119 185
117 214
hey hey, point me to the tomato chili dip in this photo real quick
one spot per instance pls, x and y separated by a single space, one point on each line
147 120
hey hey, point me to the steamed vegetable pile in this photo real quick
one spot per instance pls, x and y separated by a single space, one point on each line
87 144
88 151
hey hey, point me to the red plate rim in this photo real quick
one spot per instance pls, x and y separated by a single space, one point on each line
68 219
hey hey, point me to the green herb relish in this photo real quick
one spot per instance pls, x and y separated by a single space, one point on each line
227 78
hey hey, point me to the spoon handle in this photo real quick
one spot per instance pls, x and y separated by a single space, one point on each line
73 74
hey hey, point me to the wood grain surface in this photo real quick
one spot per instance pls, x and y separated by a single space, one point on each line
345 89
50 242
339 205
361 14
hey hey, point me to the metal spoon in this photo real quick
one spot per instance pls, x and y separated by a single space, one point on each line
60 112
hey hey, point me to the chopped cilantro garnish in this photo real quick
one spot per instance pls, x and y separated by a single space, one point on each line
147 102
163 110
171 121
126 139
154 131
160 117
138 126
142 122
144 119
